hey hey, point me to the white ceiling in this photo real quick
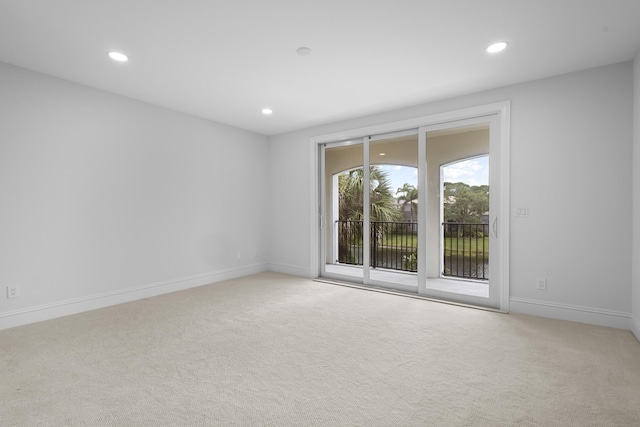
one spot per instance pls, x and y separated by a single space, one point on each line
225 60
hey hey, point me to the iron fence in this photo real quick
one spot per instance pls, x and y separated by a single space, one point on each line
394 245
466 250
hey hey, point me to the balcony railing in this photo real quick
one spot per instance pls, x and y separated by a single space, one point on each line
466 250
394 245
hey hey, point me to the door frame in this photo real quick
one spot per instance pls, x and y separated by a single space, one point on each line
501 111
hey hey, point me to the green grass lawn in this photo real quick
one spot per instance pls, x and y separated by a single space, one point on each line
401 240
469 247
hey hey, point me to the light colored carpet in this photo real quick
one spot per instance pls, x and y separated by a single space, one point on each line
274 350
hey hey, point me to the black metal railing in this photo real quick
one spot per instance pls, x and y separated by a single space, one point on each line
466 250
394 245
349 242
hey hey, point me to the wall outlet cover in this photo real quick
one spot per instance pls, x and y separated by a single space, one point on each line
13 291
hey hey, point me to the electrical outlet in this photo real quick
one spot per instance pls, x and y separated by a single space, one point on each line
522 212
13 291
541 284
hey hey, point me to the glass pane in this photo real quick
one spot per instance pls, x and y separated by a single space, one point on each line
465 218
458 210
394 210
344 210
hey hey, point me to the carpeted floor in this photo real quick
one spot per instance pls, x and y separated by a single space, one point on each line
275 350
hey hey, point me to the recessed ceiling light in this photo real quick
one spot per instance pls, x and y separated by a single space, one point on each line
117 56
303 51
267 111
497 47
383 154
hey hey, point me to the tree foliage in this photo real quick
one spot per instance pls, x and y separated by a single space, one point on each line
350 193
409 197
465 203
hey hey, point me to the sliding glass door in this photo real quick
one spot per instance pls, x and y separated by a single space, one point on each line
415 210
393 210
462 204
342 220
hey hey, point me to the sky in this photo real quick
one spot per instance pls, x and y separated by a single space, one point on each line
473 172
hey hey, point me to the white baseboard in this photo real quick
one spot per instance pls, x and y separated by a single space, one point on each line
635 327
291 270
594 316
92 302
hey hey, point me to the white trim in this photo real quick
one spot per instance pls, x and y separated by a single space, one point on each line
635 327
392 135
54 310
414 123
575 313
291 270
314 209
366 211
422 209
504 124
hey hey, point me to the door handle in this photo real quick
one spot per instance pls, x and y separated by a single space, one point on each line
494 227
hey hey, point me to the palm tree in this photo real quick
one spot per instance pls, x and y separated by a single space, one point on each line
350 193
351 212
410 197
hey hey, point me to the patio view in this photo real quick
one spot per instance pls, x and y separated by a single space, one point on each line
394 227
427 205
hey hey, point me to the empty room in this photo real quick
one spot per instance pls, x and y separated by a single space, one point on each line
323 213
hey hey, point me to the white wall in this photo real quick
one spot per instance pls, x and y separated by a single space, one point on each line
571 146
635 301
105 199
289 174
